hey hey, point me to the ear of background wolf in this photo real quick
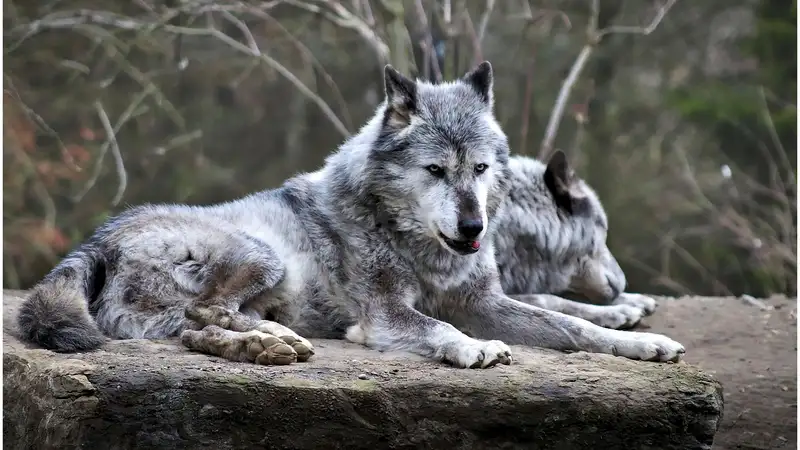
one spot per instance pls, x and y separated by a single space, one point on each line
557 178
401 97
481 79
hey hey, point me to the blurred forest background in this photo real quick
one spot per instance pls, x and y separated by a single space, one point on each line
682 114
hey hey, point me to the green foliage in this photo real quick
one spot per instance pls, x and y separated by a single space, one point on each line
724 102
775 45
734 114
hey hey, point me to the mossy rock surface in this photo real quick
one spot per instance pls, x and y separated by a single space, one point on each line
139 394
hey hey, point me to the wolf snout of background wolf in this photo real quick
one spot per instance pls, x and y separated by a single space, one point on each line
390 244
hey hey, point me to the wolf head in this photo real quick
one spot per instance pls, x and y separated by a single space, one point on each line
440 162
551 237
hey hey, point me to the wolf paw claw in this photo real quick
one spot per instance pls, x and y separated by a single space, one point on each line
269 350
301 346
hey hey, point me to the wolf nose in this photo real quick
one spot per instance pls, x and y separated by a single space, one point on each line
470 228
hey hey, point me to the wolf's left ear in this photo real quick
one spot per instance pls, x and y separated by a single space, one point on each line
401 97
558 177
481 79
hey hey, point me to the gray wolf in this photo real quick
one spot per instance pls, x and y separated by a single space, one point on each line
388 245
551 239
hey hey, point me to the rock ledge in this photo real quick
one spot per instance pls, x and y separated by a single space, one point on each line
156 395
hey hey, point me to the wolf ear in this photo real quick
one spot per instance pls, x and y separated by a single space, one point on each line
558 178
401 97
481 79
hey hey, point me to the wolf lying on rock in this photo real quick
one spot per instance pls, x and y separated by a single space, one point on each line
390 244
551 238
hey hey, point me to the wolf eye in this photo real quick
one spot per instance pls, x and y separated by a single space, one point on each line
435 170
480 168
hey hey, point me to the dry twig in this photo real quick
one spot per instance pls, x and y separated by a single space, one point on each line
430 51
111 136
593 38
123 119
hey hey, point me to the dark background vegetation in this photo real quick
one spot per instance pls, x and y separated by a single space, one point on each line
687 131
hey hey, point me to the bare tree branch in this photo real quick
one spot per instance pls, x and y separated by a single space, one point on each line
430 50
477 51
123 119
484 22
314 62
593 38
278 67
561 101
662 11
340 16
120 165
41 124
251 41
82 17
773 134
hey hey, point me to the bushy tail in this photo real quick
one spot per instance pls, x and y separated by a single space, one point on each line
56 313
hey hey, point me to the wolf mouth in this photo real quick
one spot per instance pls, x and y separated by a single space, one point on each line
467 247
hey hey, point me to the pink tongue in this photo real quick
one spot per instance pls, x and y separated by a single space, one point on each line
476 245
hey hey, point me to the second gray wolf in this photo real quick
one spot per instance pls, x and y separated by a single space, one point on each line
551 239
389 244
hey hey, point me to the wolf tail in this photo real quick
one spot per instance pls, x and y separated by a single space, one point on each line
56 314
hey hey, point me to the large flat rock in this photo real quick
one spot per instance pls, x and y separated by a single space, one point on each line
157 395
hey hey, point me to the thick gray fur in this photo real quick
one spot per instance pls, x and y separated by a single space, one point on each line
551 239
377 247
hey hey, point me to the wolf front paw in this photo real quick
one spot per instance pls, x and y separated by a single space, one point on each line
648 347
475 354
645 303
619 317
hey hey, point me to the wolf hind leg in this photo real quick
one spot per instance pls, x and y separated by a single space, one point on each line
237 322
250 346
245 273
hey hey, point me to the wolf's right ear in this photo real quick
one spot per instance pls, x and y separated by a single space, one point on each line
558 179
401 97
482 80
